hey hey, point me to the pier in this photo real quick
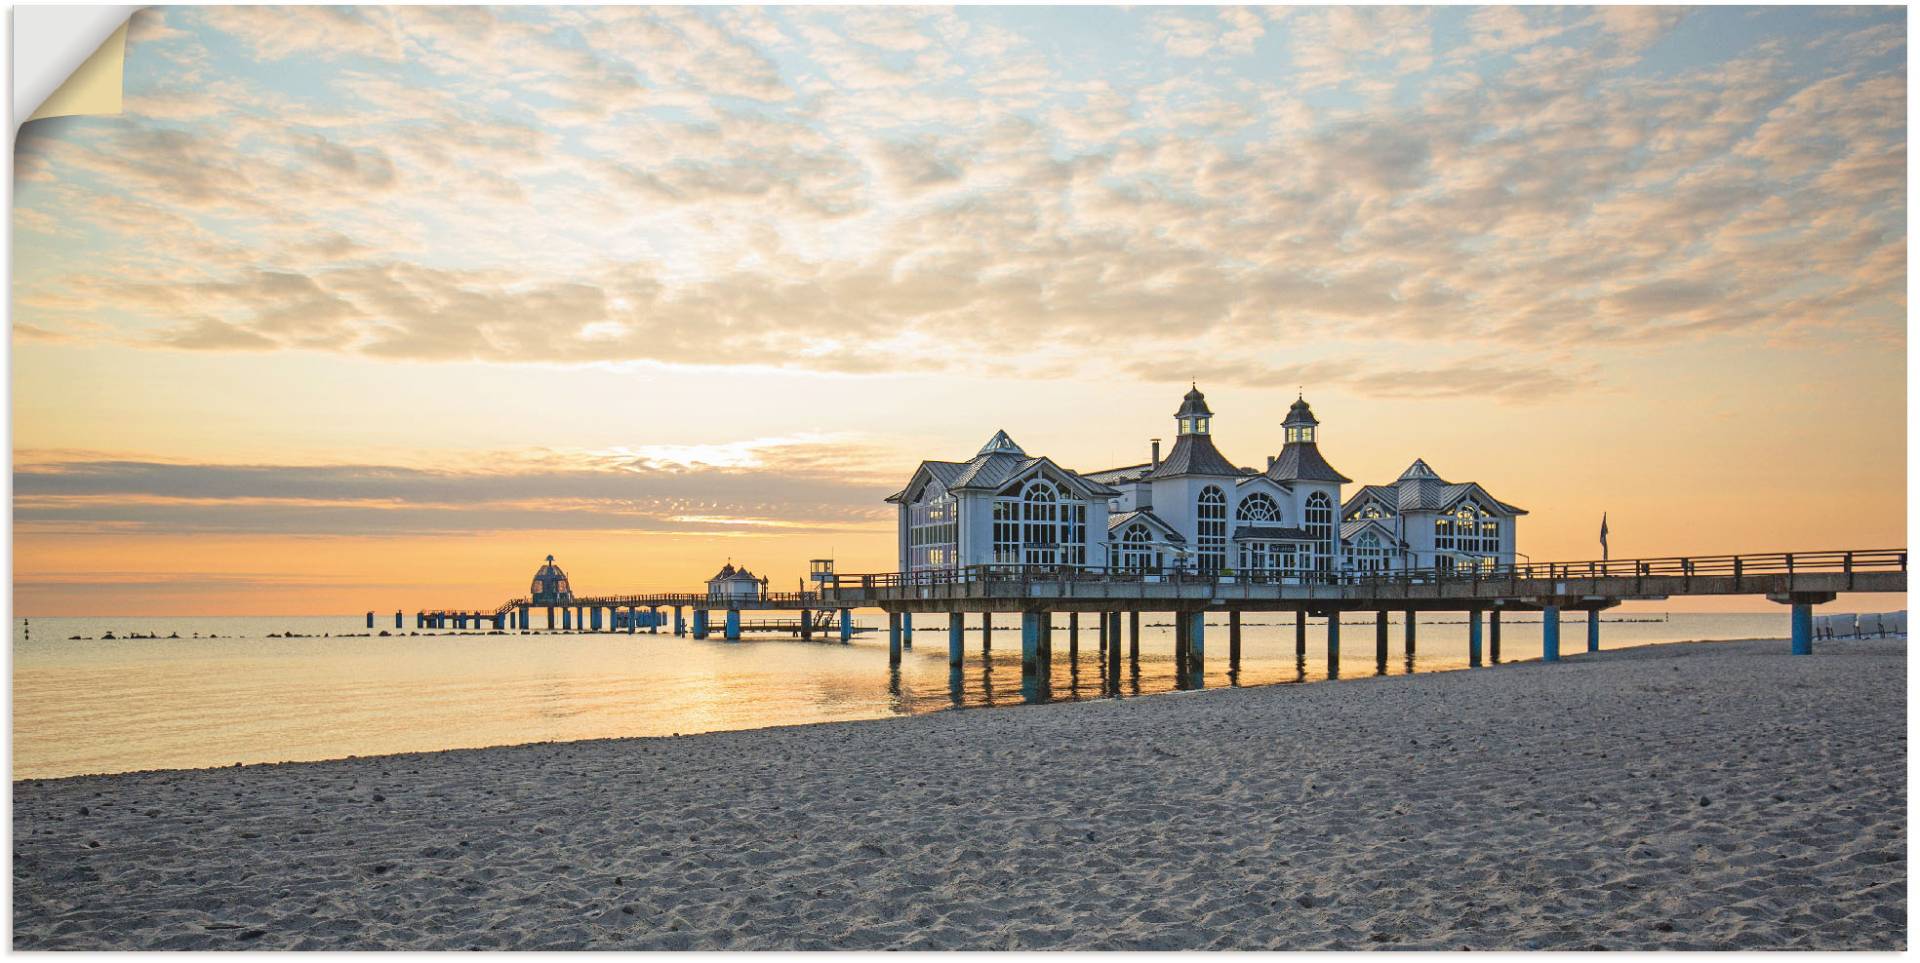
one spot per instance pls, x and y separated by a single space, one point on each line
1032 596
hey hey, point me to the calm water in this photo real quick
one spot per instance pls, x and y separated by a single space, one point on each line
92 705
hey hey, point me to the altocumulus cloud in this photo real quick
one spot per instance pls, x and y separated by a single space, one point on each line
856 190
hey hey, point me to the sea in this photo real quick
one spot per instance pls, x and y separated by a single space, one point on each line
172 693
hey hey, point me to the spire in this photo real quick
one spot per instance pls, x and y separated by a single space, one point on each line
1001 442
1194 417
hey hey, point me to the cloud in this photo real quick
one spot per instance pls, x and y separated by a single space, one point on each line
759 486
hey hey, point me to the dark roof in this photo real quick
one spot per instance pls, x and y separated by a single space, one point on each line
1001 441
1421 489
1194 455
1280 533
992 468
1117 476
1302 461
1300 413
1194 405
1418 469
1114 522
1348 530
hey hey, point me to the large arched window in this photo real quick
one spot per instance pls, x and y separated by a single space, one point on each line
1319 525
1212 529
1257 507
1136 549
1040 524
933 534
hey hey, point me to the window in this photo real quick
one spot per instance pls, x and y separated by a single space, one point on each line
1136 549
1300 433
1006 531
1040 524
1319 519
1258 507
1371 511
933 530
1368 554
1073 546
1212 529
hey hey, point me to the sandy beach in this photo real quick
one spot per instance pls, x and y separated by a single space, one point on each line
1711 795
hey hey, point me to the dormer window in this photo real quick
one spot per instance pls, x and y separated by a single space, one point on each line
1300 433
1194 426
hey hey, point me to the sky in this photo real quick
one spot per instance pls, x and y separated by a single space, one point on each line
374 308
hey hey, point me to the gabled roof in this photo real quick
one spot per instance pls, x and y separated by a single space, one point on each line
1117 521
1421 489
1351 530
993 468
942 471
1194 455
1302 461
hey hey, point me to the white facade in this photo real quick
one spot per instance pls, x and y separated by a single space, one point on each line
735 585
1192 511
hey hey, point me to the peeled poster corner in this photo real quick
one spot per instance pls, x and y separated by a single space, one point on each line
68 60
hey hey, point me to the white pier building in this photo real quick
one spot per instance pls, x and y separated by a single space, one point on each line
1195 511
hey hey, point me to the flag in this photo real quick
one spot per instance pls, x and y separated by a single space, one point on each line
1603 536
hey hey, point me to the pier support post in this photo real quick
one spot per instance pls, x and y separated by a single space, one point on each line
846 625
906 630
956 639
1196 648
893 638
806 625
1493 636
1802 630
1073 638
653 620
1233 640
1380 640
1133 636
1550 634
1411 622
369 618
1593 630
1473 638
1113 650
1333 645
549 618
699 623
986 634
1300 634
733 625
1032 625
593 617
566 619
679 622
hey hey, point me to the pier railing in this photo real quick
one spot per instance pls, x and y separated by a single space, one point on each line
1736 566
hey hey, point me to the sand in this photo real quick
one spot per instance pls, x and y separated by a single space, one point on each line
1710 795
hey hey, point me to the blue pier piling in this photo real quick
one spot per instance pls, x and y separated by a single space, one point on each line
653 621
1550 634
1333 646
733 625
906 630
594 617
396 621
566 620
1473 638
1493 636
699 623
846 625
1802 628
1196 649
679 622
1411 622
369 619
1030 643
893 638
956 639
1593 630
549 618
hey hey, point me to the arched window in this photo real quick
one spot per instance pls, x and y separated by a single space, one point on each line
933 533
1040 524
1368 554
1319 525
1212 529
1136 549
1257 507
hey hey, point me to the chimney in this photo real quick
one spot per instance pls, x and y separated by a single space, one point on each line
1271 459
1156 453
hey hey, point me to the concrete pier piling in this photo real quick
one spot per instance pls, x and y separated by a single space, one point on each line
1410 631
1493 636
893 638
1333 645
733 625
1233 640
956 639
906 630
1802 628
1593 630
846 626
1550 634
1300 634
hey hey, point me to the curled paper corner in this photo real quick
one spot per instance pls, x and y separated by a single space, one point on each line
68 60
